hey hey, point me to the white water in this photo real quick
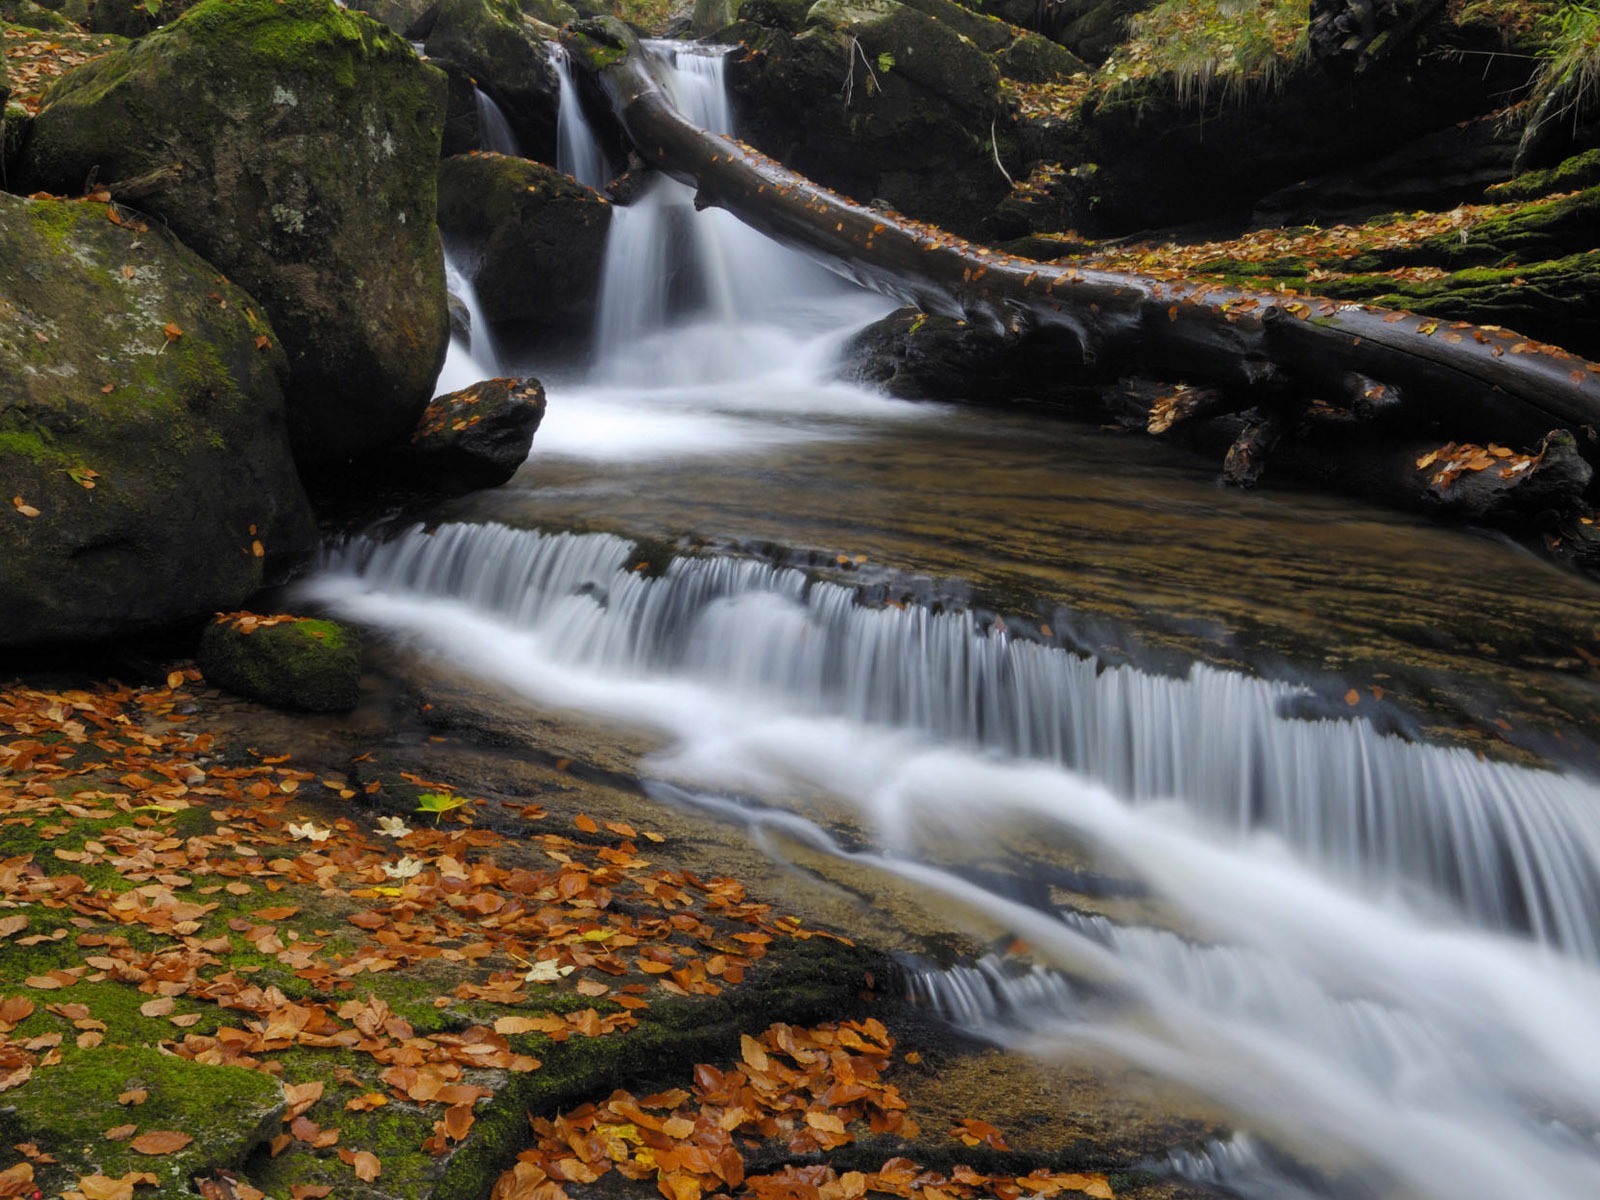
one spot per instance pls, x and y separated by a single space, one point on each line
578 151
1387 960
494 131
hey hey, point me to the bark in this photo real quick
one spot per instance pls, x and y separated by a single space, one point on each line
1263 349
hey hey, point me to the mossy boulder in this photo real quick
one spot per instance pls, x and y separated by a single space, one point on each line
1570 175
503 49
29 15
306 138
287 662
1035 59
880 101
228 1111
145 464
536 239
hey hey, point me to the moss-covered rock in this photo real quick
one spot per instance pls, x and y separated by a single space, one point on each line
143 454
402 16
1035 59
880 101
295 663
228 1111
500 47
538 239
1579 171
307 138
29 15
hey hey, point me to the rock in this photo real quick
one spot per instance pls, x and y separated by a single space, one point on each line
142 421
499 46
877 100
32 16
1572 174
472 439
1090 29
1031 58
307 138
917 356
537 238
285 661
134 18
402 16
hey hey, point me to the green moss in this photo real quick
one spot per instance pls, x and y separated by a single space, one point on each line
34 445
226 1110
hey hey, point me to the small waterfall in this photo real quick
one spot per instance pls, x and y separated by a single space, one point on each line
691 283
1515 849
578 151
474 358
494 131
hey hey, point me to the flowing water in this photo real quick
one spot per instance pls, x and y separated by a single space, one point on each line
1217 759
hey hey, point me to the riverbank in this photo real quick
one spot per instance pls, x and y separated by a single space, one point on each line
352 956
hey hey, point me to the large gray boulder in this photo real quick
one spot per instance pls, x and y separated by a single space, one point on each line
304 139
535 240
145 463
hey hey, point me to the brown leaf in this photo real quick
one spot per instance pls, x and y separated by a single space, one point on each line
135 1096
121 1133
173 333
159 1007
366 1164
160 1141
17 1180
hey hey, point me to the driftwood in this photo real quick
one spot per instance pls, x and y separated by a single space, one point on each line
1246 349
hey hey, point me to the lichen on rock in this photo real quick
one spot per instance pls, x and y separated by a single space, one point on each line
305 138
146 468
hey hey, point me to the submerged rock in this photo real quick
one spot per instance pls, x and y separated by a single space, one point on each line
284 661
143 450
305 138
538 240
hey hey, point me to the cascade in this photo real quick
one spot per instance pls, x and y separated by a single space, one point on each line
1382 957
578 151
494 131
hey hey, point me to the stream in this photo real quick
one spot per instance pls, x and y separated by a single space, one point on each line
1291 800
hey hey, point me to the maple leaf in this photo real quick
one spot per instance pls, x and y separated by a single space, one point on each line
309 832
439 803
394 827
406 868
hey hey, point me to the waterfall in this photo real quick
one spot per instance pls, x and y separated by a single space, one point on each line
494 131
1512 848
694 289
1381 957
578 151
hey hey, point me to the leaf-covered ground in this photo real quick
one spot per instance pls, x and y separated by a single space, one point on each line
230 970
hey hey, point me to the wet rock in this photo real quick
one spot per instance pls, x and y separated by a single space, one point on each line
133 18
474 438
1090 29
305 139
287 662
502 48
917 356
147 471
402 16
536 239
1035 59
878 100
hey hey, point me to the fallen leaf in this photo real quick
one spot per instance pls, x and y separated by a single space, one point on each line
161 1141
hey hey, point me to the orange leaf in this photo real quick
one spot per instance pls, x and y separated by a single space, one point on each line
366 1164
121 1133
160 1141
585 823
172 331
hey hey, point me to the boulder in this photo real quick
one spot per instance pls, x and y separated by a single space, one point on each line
405 17
134 18
501 48
305 140
878 100
534 240
148 478
285 661
32 16
471 439
1031 58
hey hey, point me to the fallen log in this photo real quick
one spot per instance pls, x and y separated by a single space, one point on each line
1264 349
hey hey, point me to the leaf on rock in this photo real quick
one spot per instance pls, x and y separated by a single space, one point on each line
161 1141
